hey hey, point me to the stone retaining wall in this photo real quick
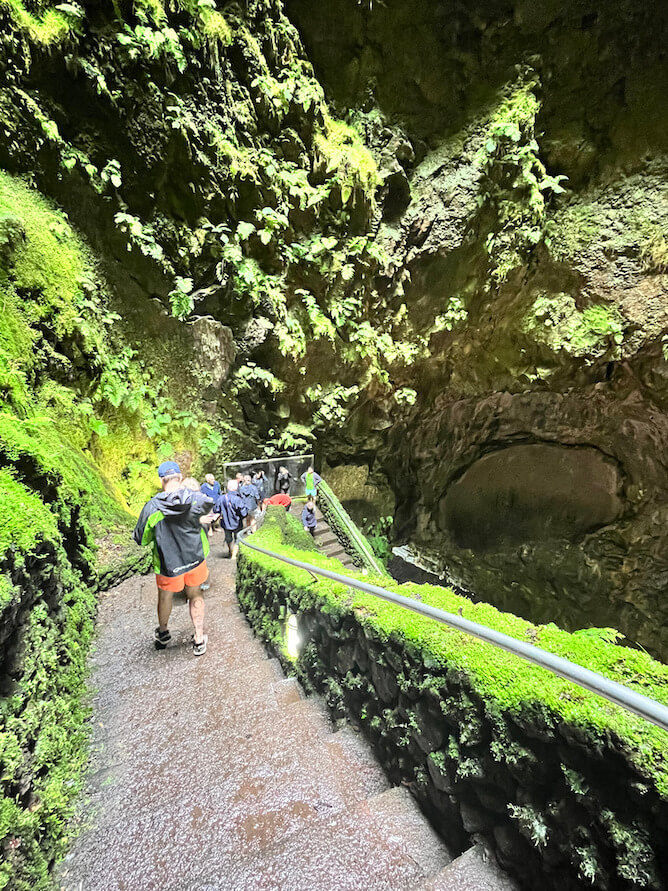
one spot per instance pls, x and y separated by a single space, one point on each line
567 791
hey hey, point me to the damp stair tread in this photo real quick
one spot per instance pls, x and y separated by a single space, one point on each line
325 539
474 870
224 764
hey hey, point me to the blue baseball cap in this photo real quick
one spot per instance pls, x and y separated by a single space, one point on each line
167 468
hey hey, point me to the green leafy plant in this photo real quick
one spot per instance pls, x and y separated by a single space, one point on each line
454 315
593 331
139 235
515 182
211 443
181 299
111 173
153 43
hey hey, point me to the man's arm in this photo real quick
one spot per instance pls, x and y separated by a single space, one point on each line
201 503
138 533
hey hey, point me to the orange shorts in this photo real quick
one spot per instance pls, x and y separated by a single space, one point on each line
178 582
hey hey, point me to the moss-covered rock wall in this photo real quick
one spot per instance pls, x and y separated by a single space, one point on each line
423 237
567 790
525 151
64 522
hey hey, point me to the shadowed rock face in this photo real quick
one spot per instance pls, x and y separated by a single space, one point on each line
531 493
551 505
532 458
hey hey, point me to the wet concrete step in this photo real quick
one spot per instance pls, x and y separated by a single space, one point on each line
374 846
287 691
399 815
472 871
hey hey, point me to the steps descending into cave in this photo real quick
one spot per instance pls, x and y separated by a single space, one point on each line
217 773
325 538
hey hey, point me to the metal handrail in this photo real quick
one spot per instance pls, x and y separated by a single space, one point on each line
356 536
596 683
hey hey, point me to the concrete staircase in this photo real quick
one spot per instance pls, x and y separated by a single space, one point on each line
325 538
216 773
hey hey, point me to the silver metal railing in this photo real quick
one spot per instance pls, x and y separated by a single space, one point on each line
356 538
613 691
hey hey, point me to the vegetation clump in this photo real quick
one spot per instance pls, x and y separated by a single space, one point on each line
52 27
594 331
516 185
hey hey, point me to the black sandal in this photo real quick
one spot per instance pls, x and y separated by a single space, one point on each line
161 638
199 649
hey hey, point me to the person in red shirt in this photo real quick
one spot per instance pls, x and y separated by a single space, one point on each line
279 498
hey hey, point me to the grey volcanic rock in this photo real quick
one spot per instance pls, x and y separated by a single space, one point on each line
214 351
531 493
578 536
444 189
531 461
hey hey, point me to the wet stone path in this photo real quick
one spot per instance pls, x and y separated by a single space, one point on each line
216 773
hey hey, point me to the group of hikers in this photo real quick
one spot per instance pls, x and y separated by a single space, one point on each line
180 519
247 497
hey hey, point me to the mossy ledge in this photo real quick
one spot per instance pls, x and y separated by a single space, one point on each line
565 787
64 528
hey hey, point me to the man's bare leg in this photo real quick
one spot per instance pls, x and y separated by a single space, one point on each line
165 600
196 606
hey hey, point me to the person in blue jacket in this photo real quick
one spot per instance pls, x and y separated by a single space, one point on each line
211 487
232 511
309 520
251 496
261 483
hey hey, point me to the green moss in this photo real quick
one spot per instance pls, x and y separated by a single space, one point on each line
51 464
214 26
111 406
504 682
43 264
43 738
654 248
556 321
343 151
24 519
574 230
50 258
51 28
